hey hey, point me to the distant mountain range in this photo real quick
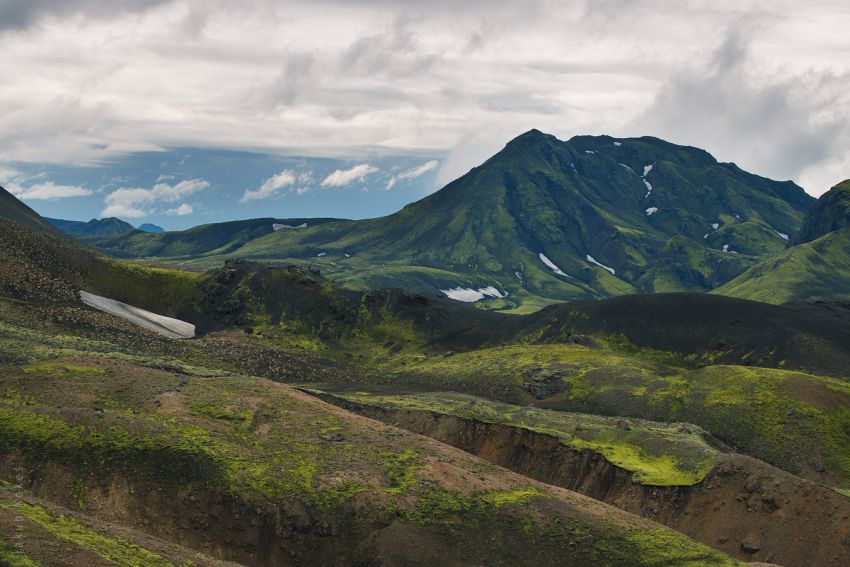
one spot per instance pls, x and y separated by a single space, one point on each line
546 220
100 227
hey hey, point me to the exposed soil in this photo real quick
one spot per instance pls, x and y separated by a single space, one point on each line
744 507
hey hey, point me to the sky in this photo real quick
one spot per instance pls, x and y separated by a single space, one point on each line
181 112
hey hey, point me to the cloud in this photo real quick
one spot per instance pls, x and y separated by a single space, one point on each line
413 172
273 185
20 14
374 77
47 191
782 124
342 177
133 202
183 210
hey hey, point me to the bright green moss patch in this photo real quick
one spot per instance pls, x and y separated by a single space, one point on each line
401 469
511 497
115 549
660 548
63 369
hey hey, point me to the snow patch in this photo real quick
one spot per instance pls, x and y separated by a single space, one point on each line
320 254
618 144
648 188
738 217
277 226
726 248
651 210
165 326
589 152
348 255
647 169
551 265
518 275
715 225
705 236
469 295
627 167
781 235
603 266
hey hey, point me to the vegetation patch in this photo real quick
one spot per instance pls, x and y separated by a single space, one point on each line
115 549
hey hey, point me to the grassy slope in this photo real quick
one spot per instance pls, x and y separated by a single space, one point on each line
263 441
813 271
40 265
795 421
12 209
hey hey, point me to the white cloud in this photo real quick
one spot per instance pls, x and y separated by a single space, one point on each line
183 210
133 202
48 191
271 186
413 172
342 177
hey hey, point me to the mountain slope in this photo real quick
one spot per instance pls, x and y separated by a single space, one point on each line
11 208
218 238
95 227
815 269
548 220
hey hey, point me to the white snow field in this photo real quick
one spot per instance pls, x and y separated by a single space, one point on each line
552 265
165 326
651 210
469 295
592 260
277 226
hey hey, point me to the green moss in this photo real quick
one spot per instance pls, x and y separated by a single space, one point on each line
11 556
401 469
511 497
63 369
114 549
660 548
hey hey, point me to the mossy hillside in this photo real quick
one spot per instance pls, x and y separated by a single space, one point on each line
656 453
265 442
813 271
790 419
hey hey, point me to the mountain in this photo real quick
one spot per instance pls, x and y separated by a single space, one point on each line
13 209
148 227
217 238
832 212
546 220
817 268
95 227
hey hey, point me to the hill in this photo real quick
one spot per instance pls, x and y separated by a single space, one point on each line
544 220
817 268
148 227
217 238
12 209
95 227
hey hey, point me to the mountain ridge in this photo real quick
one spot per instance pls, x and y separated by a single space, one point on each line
613 216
